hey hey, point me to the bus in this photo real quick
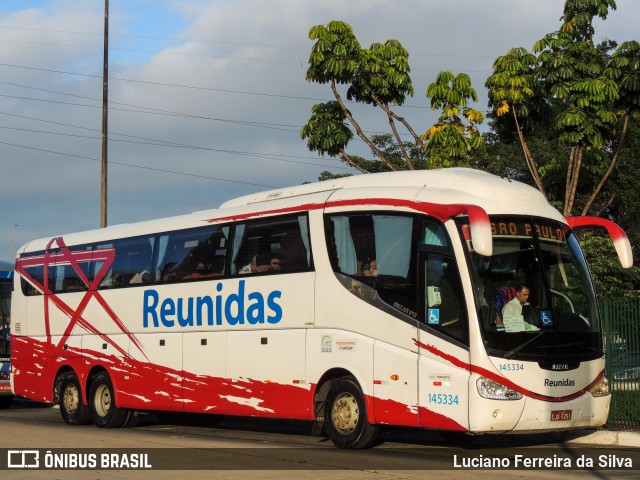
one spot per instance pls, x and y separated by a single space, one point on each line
356 303
6 286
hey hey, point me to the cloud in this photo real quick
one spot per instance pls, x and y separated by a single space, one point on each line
223 82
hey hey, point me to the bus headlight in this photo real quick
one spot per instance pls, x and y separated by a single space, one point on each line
600 388
493 390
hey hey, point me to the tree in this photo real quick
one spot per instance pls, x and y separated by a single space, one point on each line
379 76
624 69
450 142
609 278
511 88
571 71
592 95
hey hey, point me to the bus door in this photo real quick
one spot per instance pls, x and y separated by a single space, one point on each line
444 363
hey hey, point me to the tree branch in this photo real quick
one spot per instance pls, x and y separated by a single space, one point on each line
612 164
606 205
350 161
395 116
573 184
400 144
359 131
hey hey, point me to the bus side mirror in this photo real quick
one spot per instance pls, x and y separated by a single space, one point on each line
620 239
479 238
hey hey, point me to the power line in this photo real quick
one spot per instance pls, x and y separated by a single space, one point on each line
219 42
138 166
193 87
157 111
176 145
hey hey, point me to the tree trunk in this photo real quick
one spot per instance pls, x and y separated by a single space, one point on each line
533 169
400 144
612 164
573 173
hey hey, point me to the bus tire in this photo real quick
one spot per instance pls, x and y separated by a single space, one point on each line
102 403
345 416
73 411
5 402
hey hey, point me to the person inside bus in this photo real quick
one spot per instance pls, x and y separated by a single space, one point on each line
370 268
519 306
201 271
259 263
277 262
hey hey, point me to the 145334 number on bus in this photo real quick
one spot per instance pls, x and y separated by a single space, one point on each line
511 367
443 399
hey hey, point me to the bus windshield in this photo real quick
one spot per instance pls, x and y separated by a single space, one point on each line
558 320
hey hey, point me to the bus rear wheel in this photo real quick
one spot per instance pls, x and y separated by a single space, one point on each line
104 412
73 411
345 416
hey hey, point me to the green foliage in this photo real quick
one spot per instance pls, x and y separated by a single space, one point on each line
624 68
331 176
512 82
326 130
379 76
451 142
609 278
573 72
579 14
383 73
335 55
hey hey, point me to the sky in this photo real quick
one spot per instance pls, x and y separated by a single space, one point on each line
207 97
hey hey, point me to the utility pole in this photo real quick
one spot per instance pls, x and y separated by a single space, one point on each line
105 99
12 257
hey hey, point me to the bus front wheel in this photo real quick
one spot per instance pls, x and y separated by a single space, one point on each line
73 411
345 416
104 412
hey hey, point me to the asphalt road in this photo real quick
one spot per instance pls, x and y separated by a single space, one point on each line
190 447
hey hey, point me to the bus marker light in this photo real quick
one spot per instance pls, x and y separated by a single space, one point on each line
394 377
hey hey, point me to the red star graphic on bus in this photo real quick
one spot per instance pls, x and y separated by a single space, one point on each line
64 256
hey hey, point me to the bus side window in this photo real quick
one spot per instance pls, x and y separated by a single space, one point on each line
37 274
273 245
192 254
132 263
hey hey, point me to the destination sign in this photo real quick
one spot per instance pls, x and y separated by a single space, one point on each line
519 229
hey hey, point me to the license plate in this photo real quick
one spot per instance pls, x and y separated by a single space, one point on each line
557 415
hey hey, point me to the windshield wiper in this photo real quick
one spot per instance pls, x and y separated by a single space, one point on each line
577 344
515 350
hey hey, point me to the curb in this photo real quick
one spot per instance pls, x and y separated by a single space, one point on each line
619 439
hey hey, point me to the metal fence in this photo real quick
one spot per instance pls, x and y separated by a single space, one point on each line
622 342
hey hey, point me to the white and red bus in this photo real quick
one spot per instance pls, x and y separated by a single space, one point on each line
359 302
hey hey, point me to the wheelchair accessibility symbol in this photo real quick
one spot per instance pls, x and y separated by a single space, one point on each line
545 318
433 316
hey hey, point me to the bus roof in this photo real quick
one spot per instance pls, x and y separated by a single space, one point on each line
496 195
449 185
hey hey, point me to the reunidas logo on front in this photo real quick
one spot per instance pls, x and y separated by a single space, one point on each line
566 382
